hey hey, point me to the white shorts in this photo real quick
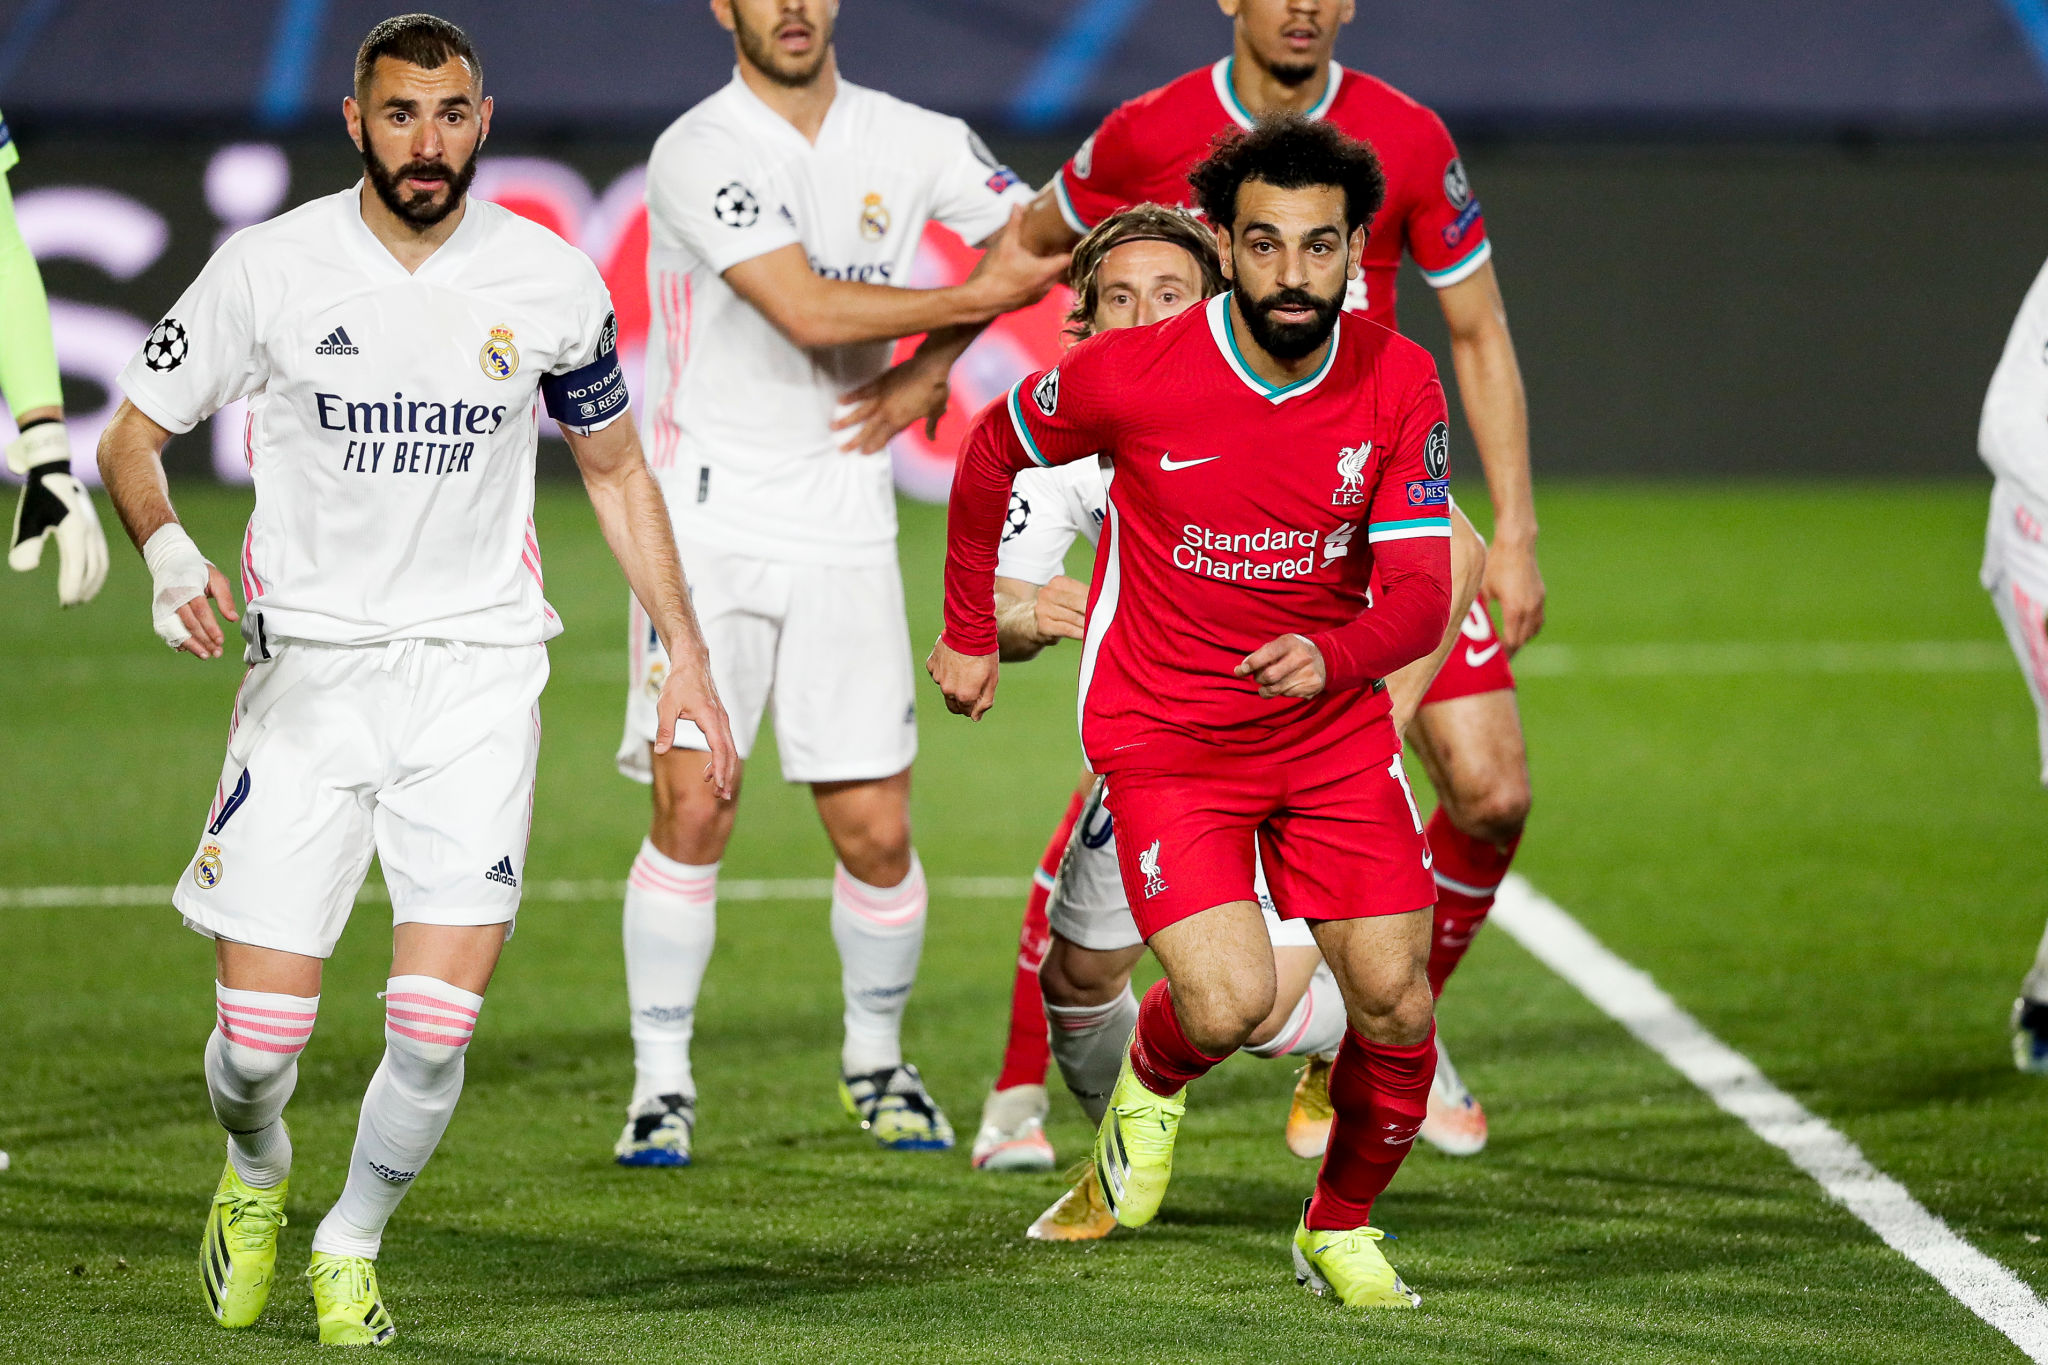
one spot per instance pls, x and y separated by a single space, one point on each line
420 752
828 645
2016 575
1088 909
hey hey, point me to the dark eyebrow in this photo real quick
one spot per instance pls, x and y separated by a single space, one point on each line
452 102
1326 230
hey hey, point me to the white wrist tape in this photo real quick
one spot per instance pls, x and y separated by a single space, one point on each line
39 445
177 574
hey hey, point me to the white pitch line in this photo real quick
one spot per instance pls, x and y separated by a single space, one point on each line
1720 658
375 893
1628 995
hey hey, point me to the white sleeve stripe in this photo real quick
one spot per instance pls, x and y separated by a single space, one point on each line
1439 529
1450 275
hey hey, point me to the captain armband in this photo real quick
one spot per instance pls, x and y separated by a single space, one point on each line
593 395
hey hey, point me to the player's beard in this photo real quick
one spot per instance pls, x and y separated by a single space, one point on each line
795 73
1290 340
1292 76
418 210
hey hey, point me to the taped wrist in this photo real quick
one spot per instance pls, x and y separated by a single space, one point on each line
177 574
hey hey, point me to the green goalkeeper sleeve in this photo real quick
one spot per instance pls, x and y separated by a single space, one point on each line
28 359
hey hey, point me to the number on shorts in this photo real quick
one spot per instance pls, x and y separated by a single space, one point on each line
1394 771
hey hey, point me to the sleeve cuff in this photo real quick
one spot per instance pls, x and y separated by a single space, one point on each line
1453 274
1066 203
154 411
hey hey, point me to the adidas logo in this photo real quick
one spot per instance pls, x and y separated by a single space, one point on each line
336 342
503 873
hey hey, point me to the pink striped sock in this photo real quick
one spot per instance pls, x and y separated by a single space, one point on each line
252 1064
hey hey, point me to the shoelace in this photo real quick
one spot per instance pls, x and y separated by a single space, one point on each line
262 1220
356 1272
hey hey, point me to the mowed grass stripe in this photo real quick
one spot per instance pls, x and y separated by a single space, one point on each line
592 889
1629 996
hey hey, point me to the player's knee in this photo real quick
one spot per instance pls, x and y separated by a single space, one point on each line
258 1036
691 823
1073 977
1393 1006
1222 1018
877 850
1497 811
428 1023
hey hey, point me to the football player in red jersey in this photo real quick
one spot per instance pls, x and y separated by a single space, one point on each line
1270 463
1469 731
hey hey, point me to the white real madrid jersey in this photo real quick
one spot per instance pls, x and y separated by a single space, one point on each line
2012 436
738 418
1048 508
392 416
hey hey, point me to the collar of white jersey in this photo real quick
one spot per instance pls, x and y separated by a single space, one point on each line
1226 93
1276 394
379 256
759 110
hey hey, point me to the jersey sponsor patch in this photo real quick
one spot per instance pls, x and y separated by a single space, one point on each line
592 393
1454 232
1429 493
735 205
1436 452
1047 393
1003 179
167 346
1457 187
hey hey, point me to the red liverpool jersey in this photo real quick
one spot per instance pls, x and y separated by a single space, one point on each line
1240 512
1144 150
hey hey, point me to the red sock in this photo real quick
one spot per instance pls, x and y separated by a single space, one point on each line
1468 873
1026 1054
1160 1051
1380 1093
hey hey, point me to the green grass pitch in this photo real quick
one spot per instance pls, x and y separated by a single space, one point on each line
1837 869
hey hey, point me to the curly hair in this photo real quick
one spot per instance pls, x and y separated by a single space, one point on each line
1145 223
1289 152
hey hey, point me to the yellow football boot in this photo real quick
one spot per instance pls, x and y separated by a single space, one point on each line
346 1298
238 1255
1080 1215
1310 1116
1349 1265
1134 1148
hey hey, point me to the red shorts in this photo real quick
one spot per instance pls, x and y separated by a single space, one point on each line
1478 662
1338 840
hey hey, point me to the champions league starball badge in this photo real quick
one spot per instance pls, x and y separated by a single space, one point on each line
499 357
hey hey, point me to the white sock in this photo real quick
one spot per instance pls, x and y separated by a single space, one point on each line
1088 1043
427 1026
880 933
2035 987
671 922
1316 1026
252 1063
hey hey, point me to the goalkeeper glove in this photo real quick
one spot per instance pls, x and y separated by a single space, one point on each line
55 505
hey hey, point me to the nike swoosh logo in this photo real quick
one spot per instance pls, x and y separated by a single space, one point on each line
1168 463
1476 657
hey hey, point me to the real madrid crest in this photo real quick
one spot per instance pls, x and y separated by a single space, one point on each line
874 218
499 357
206 867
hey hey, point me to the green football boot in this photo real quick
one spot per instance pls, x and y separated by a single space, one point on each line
345 1295
238 1255
1134 1147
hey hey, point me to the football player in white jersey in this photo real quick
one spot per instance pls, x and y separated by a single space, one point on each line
1138 267
392 341
2012 439
784 215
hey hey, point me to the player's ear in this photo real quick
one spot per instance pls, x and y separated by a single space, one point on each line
352 116
1347 11
1229 8
721 10
483 121
1356 246
1223 255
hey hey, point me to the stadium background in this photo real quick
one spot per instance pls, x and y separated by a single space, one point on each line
1759 259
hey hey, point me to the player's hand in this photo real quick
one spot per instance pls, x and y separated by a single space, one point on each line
1060 612
1290 666
181 581
968 680
1515 585
917 390
55 506
1008 276
689 694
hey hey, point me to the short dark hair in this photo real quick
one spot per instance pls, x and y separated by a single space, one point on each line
1289 152
1144 223
421 39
